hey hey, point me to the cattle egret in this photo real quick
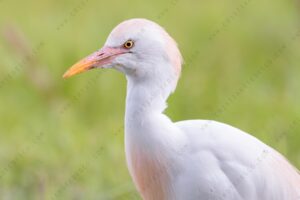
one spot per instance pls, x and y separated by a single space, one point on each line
186 160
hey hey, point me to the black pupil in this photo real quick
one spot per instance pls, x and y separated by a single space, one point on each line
128 44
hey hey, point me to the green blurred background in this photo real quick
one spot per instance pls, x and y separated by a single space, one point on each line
63 139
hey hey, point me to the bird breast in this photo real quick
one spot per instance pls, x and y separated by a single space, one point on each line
150 174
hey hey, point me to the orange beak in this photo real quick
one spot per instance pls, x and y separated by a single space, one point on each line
95 60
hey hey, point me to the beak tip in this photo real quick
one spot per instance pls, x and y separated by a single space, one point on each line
65 76
81 66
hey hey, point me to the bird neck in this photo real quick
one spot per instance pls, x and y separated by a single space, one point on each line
151 139
144 98
146 127
145 122
145 103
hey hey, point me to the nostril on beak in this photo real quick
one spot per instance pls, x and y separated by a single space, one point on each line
100 54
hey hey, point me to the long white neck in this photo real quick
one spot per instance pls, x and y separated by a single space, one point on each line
152 140
145 103
143 99
145 123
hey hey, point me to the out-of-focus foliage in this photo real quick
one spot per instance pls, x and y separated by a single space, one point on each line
63 139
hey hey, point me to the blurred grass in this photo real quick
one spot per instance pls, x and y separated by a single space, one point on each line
64 139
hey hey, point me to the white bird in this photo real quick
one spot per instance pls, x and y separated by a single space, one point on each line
186 160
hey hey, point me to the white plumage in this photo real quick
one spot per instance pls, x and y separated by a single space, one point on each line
187 160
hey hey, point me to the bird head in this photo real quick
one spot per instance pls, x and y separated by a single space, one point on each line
141 49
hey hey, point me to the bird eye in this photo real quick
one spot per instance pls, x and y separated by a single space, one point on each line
128 44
